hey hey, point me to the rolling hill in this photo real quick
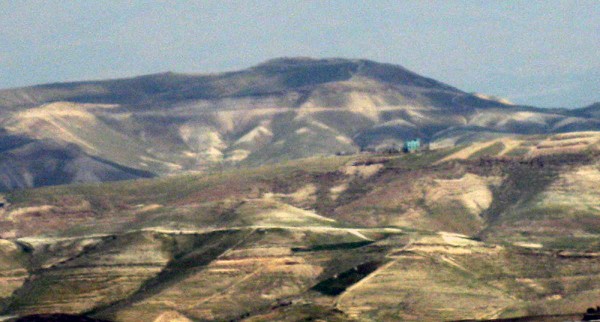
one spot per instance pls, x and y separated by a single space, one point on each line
283 109
501 229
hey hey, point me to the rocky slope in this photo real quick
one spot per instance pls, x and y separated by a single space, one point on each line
280 110
370 237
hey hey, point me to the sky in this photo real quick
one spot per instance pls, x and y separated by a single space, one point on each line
541 53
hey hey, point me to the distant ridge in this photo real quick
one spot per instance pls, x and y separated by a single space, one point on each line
285 108
271 76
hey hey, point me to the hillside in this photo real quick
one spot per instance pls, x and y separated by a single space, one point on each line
283 109
497 229
592 110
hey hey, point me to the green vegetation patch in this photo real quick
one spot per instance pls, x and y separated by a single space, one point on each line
491 150
454 217
517 152
338 284
324 247
574 243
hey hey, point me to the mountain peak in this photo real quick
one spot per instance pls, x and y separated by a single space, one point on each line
323 70
273 76
300 61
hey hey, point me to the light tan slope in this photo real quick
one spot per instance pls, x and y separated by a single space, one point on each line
449 277
494 98
95 276
172 316
471 191
260 268
79 124
271 213
567 143
565 212
13 272
530 146
576 189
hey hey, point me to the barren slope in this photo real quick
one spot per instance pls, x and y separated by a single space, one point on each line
280 110
369 237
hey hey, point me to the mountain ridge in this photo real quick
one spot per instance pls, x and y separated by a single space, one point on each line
281 194
330 70
286 108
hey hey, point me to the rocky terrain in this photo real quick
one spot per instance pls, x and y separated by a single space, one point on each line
283 109
496 229
278 193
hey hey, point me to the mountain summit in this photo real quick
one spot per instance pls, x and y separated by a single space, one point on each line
285 108
272 77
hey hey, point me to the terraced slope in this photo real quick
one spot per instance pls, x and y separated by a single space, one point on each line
438 235
280 110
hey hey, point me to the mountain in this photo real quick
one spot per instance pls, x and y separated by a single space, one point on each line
282 109
45 162
501 229
272 78
590 111
242 196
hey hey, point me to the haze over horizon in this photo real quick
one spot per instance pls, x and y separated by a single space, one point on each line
541 54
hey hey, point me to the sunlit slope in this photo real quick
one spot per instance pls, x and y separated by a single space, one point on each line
257 272
78 124
435 235
13 267
549 207
447 189
449 277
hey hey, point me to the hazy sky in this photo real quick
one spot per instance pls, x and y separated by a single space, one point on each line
544 53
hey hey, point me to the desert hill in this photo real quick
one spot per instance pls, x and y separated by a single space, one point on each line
498 229
283 109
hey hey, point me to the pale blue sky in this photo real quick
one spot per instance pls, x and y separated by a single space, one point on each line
543 53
